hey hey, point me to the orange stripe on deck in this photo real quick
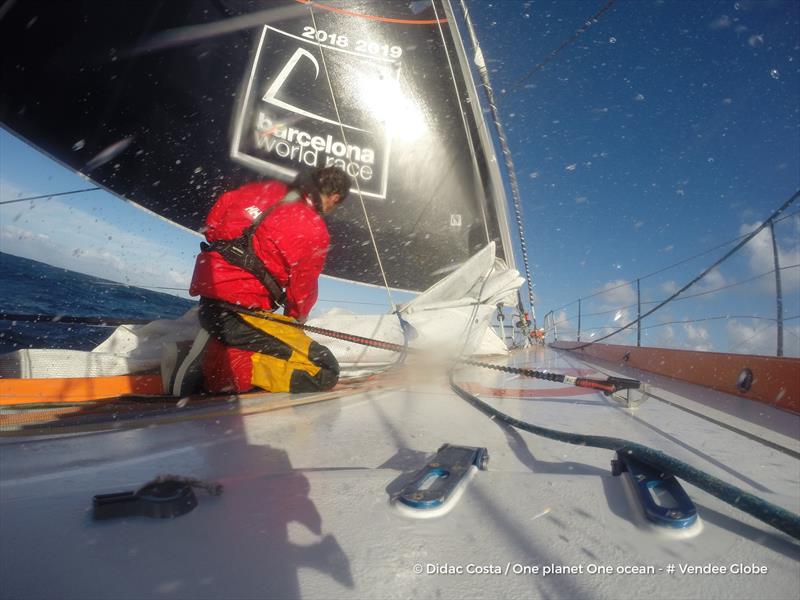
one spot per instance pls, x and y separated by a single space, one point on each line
76 389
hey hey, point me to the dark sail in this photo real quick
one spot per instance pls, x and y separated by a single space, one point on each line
168 104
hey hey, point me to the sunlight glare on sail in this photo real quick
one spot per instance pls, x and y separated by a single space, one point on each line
389 103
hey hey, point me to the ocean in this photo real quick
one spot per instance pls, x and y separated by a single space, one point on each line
34 288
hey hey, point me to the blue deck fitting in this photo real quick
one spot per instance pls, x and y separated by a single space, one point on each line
664 501
436 483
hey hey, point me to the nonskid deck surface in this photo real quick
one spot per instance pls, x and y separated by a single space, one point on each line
306 511
734 412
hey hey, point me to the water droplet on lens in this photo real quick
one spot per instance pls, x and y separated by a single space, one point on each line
775 74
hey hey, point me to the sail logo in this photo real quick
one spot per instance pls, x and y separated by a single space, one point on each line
272 93
297 144
301 109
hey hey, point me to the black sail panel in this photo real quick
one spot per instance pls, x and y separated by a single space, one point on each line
168 104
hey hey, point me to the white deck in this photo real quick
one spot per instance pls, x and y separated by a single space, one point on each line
306 513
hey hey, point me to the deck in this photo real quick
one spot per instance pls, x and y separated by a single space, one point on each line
306 512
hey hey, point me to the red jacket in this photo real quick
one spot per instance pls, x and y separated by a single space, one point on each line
292 242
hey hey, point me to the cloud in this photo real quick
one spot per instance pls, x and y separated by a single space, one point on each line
29 244
564 325
751 339
698 337
616 294
88 244
761 338
665 337
711 282
669 287
628 336
10 234
760 256
10 191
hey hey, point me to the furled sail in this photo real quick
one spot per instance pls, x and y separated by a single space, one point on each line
167 104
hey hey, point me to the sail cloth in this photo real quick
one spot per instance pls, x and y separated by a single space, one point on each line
168 104
129 349
449 319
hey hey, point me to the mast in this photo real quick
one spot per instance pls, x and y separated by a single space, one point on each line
512 176
493 169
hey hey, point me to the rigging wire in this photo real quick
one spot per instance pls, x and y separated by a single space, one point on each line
146 287
725 257
501 136
405 327
567 318
728 286
550 57
688 296
717 318
675 264
703 319
93 189
355 179
100 321
739 345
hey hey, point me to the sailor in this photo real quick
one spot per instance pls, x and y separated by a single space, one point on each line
267 243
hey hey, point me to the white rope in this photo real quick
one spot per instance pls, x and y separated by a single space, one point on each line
358 187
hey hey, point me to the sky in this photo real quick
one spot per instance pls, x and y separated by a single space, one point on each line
663 131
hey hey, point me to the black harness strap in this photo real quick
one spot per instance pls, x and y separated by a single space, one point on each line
240 252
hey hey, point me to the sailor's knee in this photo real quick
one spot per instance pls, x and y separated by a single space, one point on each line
322 356
322 380
327 378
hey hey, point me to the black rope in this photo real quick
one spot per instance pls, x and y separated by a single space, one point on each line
771 514
607 386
